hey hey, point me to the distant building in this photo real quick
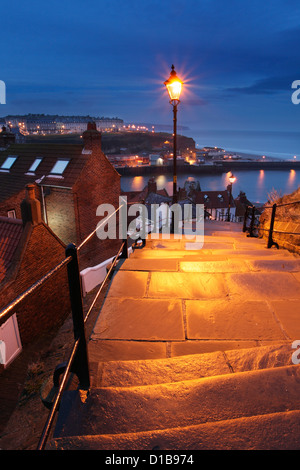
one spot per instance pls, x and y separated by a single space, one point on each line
155 159
148 194
121 160
6 138
216 203
53 124
71 182
241 202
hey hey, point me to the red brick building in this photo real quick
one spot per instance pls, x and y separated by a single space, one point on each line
28 250
71 180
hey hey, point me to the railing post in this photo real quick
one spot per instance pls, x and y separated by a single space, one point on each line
124 254
245 219
252 222
80 364
270 239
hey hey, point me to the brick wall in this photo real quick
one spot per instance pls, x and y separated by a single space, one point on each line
49 305
60 213
12 203
99 183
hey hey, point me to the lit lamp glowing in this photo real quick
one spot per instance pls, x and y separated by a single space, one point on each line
232 179
174 87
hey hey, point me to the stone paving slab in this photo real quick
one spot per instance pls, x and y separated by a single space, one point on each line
288 313
181 348
228 320
226 266
171 298
217 246
288 265
128 284
186 285
132 264
136 319
258 285
146 372
114 350
252 253
180 254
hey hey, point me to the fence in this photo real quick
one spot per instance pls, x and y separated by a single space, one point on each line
225 217
252 226
78 358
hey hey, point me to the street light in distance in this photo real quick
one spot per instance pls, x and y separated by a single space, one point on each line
174 87
232 180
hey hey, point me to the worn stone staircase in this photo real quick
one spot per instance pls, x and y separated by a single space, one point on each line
193 350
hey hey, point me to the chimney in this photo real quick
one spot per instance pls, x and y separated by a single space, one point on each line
31 207
152 186
7 138
92 137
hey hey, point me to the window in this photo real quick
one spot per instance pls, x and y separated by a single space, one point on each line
11 214
8 162
35 164
59 167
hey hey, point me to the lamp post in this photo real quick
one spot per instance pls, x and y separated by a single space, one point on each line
174 87
232 179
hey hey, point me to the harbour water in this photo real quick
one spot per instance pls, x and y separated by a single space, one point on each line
283 145
257 184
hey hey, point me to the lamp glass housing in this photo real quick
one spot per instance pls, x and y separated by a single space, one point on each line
174 86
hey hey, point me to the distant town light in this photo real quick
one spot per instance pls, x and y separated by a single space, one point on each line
232 178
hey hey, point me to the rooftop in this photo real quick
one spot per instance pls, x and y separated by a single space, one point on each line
10 234
15 178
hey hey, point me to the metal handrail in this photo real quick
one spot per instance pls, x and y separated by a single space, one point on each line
77 361
68 365
283 204
5 311
271 229
97 228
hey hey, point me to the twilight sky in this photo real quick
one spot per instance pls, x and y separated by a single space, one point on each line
238 59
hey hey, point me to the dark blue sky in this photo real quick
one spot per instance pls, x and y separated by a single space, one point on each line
238 59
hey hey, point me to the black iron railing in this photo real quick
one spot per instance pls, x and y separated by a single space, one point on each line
78 358
221 216
252 226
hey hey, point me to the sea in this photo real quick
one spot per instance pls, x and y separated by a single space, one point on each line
257 184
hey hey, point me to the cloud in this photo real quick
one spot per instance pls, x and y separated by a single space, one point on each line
265 86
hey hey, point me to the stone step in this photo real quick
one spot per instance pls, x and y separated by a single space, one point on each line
208 254
205 242
274 431
120 410
211 265
182 368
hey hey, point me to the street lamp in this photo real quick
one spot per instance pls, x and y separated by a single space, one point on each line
232 179
174 87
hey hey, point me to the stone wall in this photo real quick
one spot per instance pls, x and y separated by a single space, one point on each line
287 222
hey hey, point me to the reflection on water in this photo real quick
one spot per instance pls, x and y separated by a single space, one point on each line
161 181
257 184
137 183
291 179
